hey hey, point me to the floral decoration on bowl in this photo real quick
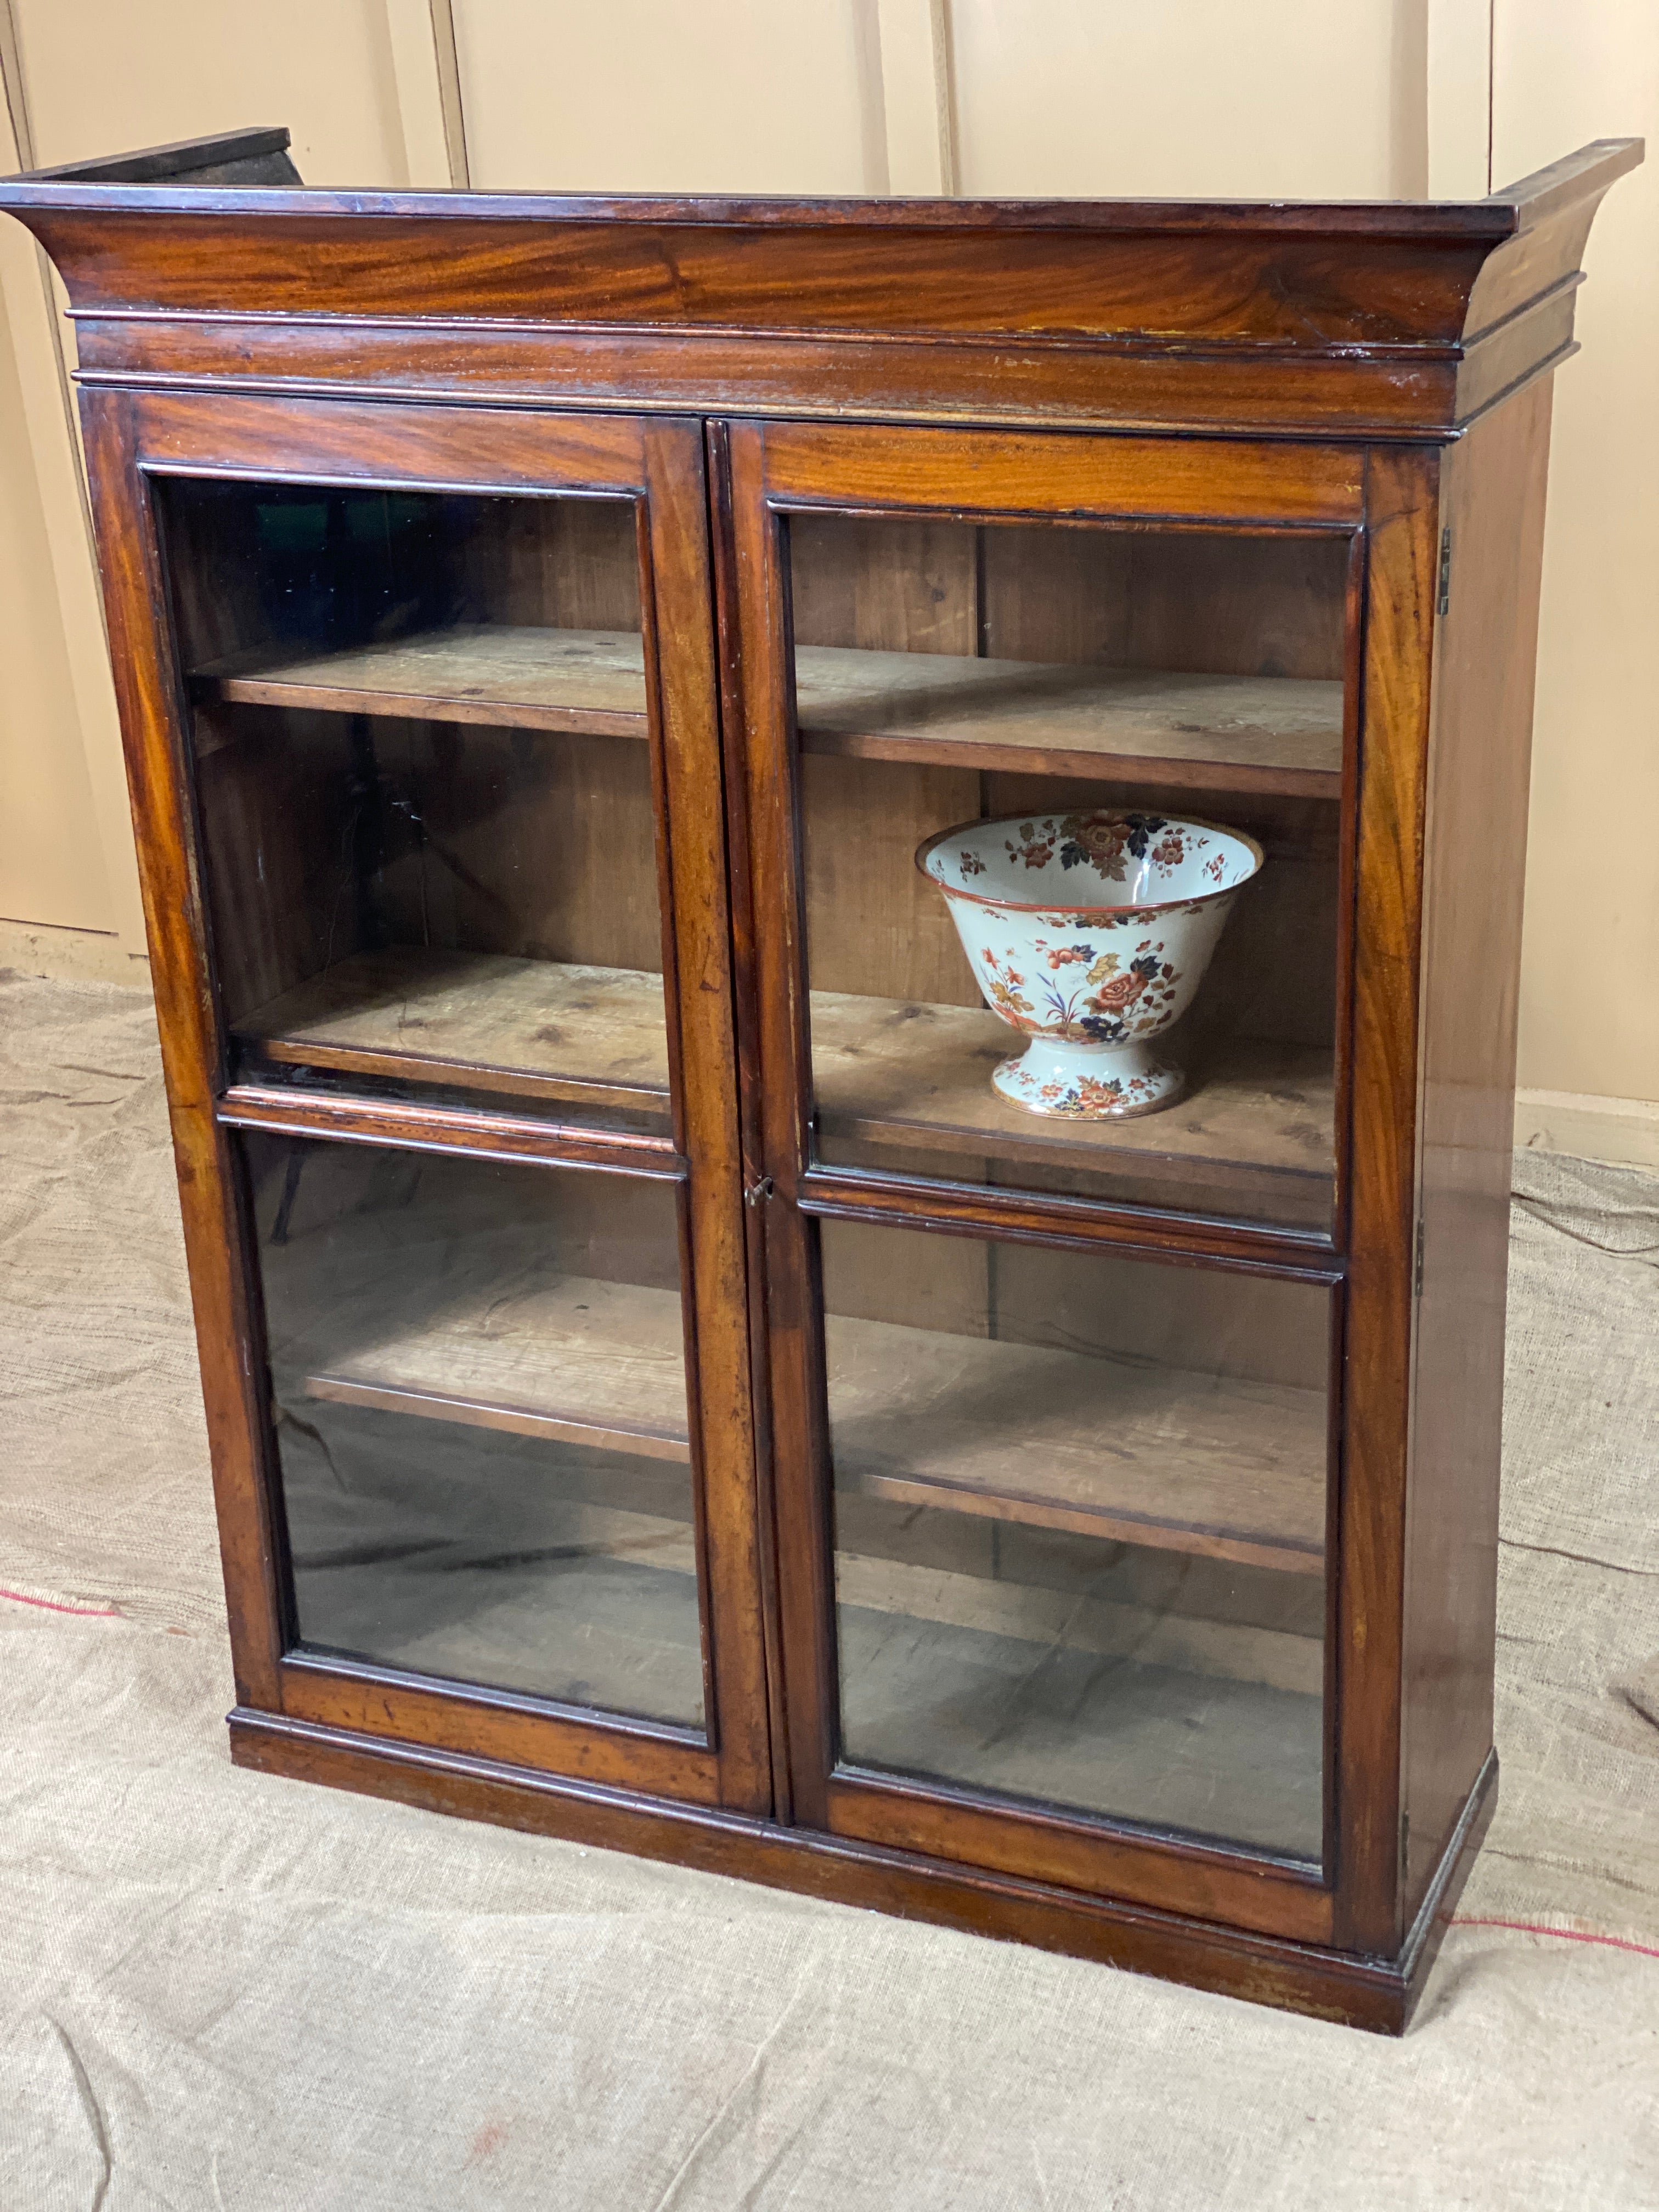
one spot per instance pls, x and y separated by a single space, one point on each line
1090 934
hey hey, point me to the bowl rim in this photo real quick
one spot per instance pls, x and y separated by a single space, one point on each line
1059 906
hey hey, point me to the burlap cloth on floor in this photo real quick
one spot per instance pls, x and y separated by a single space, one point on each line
218 1990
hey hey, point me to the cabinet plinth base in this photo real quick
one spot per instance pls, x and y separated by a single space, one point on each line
1373 1993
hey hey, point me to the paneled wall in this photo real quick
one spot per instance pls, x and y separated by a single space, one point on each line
1590 1010
1380 98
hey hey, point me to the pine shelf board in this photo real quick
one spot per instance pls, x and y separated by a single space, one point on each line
1141 1453
917 1077
888 1073
1106 1447
506 675
1281 734
539 1029
513 1346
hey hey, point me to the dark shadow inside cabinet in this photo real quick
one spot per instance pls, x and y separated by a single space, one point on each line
1039 677
424 786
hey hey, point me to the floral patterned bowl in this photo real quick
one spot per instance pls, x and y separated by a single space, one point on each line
1089 932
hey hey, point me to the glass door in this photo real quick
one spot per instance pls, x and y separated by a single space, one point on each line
425 785
451 806
1081 782
1051 749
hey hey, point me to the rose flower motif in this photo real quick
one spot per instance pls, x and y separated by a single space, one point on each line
1119 992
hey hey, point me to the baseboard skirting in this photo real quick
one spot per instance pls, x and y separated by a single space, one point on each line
71 956
1588 1127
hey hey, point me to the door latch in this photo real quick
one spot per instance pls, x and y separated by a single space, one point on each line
757 1192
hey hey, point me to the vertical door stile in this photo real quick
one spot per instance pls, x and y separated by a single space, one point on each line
736 751
225 1304
677 496
799 1495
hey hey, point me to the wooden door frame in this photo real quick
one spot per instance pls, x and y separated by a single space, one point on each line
1386 501
133 436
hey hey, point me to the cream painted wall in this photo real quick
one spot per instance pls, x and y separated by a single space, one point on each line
1380 97
50 869
105 74
1296 99
1589 1005
731 96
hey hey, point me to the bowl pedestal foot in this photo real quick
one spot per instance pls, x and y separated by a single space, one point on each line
1088 1082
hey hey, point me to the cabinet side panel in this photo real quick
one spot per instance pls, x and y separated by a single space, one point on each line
1492 500
1402 500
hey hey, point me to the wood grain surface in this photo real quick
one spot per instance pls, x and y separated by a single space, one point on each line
568 1358
902 1074
548 1029
1131 1450
1228 733
895 1075
511 675
1367 1653
1266 733
1492 500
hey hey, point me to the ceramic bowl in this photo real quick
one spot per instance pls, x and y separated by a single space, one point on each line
1090 934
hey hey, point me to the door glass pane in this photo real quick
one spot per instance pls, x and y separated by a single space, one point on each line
1071 806
478 1386
420 745
1081 1511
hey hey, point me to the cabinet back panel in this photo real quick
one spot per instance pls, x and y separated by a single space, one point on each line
536 843
1096 1301
888 584
873 923
1229 605
277 811
569 563
611 1227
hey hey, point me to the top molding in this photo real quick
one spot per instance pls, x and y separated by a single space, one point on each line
140 183
1392 318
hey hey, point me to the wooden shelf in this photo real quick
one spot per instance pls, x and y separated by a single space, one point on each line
1280 734
1143 1454
1204 732
891 1076
917 1077
1117 1449
591 681
540 1029
563 1357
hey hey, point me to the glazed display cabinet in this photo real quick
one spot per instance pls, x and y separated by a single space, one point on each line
834 893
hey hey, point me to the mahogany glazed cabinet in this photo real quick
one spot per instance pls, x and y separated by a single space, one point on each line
662 1389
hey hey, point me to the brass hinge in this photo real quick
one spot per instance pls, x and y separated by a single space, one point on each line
1444 599
757 1192
1416 1276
